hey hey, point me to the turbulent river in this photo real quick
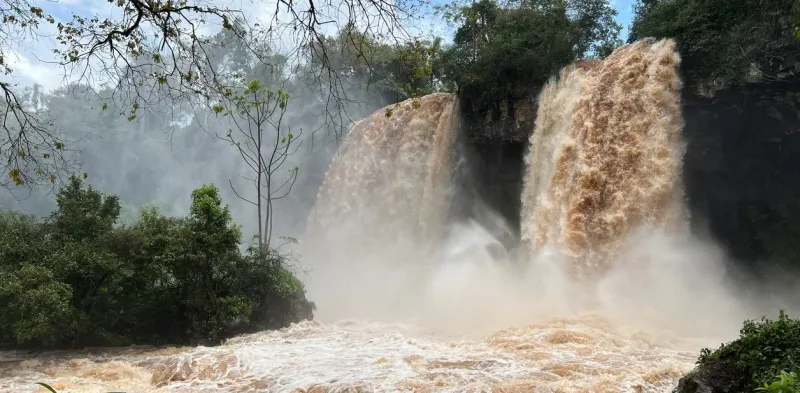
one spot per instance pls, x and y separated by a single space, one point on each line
476 327
578 354
606 293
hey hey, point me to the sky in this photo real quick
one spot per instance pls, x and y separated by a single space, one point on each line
624 15
29 58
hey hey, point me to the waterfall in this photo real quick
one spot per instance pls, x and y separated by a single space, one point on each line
391 176
604 160
605 155
380 213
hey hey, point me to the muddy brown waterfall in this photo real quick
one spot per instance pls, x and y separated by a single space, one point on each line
606 155
391 175
381 211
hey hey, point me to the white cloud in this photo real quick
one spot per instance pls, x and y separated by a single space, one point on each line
32 71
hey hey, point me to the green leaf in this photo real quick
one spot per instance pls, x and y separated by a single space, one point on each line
46 386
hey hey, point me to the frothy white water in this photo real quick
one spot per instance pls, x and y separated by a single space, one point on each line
560 355
481 325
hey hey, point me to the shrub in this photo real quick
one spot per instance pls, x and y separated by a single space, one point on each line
783 383
766 348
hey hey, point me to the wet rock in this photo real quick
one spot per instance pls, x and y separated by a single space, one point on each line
713 379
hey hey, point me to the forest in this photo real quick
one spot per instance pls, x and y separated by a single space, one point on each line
101 240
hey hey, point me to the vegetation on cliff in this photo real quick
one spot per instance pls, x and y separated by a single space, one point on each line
765 357
504 49
724 42
75 278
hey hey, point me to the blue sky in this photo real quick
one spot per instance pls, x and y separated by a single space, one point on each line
624 15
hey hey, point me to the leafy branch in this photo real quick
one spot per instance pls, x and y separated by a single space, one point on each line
257 114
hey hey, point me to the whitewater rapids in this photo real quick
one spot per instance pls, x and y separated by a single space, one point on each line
581 354
639 338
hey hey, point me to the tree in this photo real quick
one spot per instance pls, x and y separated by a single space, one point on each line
155 52
725 42
35 305
370 68
257 115
412 67
76 279
213 241
501 49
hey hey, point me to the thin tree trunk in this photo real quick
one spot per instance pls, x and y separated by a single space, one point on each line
258 187
268 218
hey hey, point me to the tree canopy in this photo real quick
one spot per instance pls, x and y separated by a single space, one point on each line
725 42
501 48
76 279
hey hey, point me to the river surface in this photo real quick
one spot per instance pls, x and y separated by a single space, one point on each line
578 354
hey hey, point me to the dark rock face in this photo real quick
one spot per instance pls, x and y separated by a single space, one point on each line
488 185
489 177
706 380
742 168
511 119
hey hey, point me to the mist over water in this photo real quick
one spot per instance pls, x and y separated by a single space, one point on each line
604 227
607 293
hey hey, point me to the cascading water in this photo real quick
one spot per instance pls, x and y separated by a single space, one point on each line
391 176
605 161
381 209
606 155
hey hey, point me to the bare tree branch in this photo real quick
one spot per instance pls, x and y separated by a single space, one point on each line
159 53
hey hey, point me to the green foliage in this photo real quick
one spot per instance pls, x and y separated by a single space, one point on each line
76 279
797 24
766 348
83 213
396 72
500 49
724 41
785 382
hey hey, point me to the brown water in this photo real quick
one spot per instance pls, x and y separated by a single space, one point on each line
606 155
409 304
391 175
581 354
